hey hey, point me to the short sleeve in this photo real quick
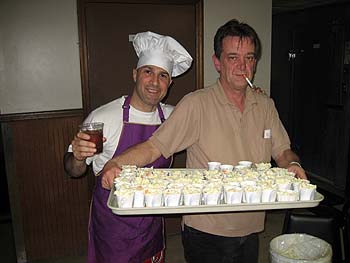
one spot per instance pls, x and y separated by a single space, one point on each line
181 130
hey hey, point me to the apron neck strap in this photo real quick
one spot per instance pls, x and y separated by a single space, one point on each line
126 109
160 112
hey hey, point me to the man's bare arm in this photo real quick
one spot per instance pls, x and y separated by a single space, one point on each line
139 155
74 167
74 162
288 159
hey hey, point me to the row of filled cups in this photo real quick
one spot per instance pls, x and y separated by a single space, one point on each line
218 166
228 167
228 194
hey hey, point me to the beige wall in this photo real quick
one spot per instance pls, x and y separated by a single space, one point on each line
257 14
39 55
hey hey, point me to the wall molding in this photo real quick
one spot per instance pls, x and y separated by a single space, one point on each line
40 115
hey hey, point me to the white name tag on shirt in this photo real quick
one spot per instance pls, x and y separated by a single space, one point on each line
267 134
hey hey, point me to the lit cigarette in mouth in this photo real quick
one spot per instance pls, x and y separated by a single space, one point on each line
248 81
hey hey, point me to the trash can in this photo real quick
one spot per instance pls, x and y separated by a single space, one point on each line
299 248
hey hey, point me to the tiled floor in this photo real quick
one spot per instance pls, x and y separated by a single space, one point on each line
274 223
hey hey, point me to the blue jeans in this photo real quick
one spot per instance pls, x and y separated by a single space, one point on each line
203 247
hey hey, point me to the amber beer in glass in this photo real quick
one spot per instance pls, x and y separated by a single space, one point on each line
95 131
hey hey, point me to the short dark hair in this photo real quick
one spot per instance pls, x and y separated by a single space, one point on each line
235 28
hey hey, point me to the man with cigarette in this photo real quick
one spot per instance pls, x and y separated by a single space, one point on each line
226 122
127 121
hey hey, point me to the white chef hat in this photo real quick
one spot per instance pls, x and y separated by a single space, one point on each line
161 51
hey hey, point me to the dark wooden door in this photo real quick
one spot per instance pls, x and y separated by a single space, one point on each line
310 81
108 55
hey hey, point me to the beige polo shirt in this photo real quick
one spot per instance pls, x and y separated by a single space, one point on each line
212 128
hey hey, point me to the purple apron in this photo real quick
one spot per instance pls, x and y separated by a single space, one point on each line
124 239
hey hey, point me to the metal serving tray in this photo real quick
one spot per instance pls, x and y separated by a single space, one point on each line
220 208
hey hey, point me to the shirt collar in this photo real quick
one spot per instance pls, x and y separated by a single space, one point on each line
221 95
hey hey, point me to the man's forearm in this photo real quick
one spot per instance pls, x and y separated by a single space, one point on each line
139 155
286 158
74 167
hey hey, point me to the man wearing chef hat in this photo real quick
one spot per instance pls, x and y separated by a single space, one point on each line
127 121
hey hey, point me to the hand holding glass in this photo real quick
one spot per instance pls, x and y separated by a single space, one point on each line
95 131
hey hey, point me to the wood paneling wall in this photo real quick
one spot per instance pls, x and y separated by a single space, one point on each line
49 209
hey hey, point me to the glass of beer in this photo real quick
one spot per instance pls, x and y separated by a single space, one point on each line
95 131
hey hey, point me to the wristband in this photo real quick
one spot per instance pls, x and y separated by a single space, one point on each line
296 163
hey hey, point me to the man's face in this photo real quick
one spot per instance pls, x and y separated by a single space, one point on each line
151 86
237 58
